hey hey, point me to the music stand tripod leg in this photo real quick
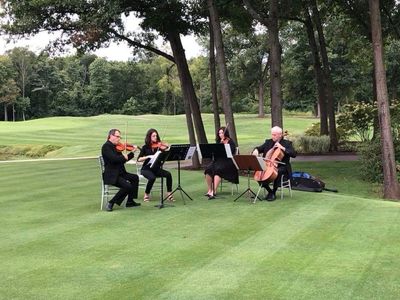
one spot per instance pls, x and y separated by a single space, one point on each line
179 187
248 190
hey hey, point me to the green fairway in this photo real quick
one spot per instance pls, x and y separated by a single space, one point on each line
57 244
80 136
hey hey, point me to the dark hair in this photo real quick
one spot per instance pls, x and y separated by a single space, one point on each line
112 132
147 139
226 133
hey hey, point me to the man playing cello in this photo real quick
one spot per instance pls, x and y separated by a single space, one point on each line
284 167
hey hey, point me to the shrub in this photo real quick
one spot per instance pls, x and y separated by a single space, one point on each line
314 130
8 152
370 154
311 144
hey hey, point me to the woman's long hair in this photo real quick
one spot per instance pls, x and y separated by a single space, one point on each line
147 139
226 134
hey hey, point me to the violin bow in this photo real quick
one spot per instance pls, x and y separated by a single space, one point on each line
126 135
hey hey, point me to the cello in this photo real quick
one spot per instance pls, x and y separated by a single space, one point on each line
273 157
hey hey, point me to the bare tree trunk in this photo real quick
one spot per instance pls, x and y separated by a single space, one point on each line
391 187
261 111
213 78
223 72
275 65
261 89
327 78
189 94
13 111
5 112
323 117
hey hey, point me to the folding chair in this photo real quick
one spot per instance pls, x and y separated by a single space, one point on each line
106 189
285 183
143 180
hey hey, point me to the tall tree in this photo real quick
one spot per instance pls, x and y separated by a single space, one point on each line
23 61
271 22
223 72
390 183
213 79
326 76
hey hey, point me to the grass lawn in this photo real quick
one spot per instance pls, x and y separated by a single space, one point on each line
57 244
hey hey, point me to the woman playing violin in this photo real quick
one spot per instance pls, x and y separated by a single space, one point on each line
269 145
115 172
152 145
221 167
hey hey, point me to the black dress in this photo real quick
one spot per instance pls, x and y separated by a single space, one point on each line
224 167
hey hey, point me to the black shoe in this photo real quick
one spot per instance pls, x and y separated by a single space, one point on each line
109 206
207 194
271 197
132 204
211 197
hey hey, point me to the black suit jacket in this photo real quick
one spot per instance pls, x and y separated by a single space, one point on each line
114 163
289 152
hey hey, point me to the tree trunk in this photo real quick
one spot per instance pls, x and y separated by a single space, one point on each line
391 188
261 111
275 67
223 72
5 112
327 78
213 78
318 74
189 94
261 89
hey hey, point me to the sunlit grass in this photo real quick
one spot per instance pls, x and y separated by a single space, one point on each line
56 243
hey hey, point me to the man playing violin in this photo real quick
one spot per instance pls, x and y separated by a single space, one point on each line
221 167
284 168
152 145
115 172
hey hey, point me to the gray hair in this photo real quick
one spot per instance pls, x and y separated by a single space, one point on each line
276 129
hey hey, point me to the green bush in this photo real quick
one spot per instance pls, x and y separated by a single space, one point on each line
370 153
315 130
34 151
311 144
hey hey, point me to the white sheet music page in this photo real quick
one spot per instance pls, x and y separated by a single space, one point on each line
154 158
190 152
228 151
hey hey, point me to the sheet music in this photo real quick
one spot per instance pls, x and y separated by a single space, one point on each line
190 152
154 158
228 151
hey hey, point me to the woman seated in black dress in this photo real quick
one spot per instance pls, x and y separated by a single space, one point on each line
151 146
221 167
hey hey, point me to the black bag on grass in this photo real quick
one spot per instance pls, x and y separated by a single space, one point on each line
303 181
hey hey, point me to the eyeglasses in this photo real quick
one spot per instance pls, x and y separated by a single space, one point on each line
117 136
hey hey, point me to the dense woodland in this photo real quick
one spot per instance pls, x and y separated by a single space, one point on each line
263 56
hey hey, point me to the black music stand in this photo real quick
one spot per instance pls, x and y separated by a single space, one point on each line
158 160
214 151
249 163
180 152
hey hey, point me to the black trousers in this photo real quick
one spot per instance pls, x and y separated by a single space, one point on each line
277 182
128 184
152 175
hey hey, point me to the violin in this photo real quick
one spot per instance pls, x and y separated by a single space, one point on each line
271 171
126 147
225 140
160 146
